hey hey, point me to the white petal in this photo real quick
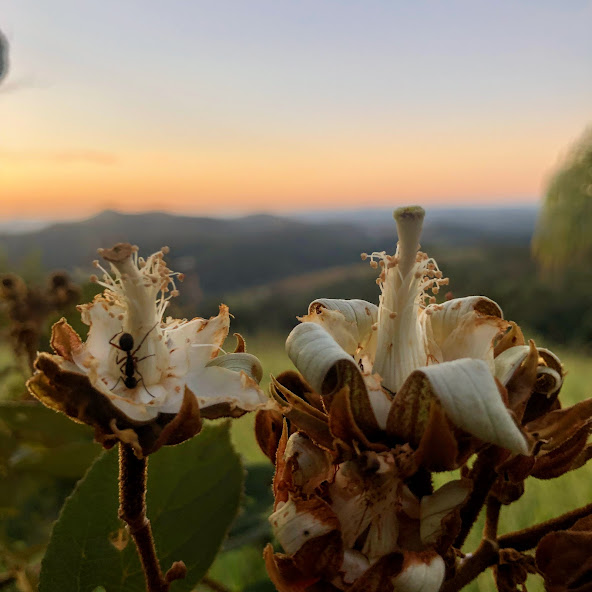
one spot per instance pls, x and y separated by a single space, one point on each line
239 362
353 566
470 398
199 340
310 465
105 324
434 508
314 353
349 322
463 328
420 576
509 361
214 385
293 528
379 400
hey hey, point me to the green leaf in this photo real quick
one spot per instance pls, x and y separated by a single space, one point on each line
69 461
239 570
193 495
251 525
36 424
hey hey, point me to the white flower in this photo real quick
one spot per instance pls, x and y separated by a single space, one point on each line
409 340
171 354
144 367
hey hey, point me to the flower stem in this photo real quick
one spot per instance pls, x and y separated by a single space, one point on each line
484 476
492 513
486 555
132 510
523 540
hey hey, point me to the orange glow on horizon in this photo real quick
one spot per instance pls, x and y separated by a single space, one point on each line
319 177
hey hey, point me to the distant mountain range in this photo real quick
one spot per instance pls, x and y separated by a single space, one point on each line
242 253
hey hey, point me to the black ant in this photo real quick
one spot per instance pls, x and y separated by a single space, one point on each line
128 364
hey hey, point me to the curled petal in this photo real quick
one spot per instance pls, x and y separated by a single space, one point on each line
469 396
348 321
240 362
318 357
464 328
508 362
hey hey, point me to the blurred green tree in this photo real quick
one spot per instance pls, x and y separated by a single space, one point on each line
563 237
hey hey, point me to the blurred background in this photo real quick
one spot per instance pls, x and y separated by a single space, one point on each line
266 143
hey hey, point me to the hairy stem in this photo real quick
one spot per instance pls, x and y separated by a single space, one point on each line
485 556
492 518
484 476
132 510
523 540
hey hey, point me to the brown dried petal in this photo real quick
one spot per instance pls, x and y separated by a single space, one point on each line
72 393
295 383
512 338
302 415
64 340
310 532
411 409
512 571
565 560
438 448
342 424
241 346
284 574
268 429
282 479
522 382
564 433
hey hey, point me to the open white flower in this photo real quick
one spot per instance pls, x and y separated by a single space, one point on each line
144 368
410 350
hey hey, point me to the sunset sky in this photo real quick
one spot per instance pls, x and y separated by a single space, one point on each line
239 106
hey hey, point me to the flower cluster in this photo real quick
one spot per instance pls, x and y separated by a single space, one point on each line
139 378
387 394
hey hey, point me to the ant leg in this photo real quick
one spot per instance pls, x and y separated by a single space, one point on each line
113 387
136 360
144 338
145 388
114 344
119 361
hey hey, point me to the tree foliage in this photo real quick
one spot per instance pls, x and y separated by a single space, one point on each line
564 230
